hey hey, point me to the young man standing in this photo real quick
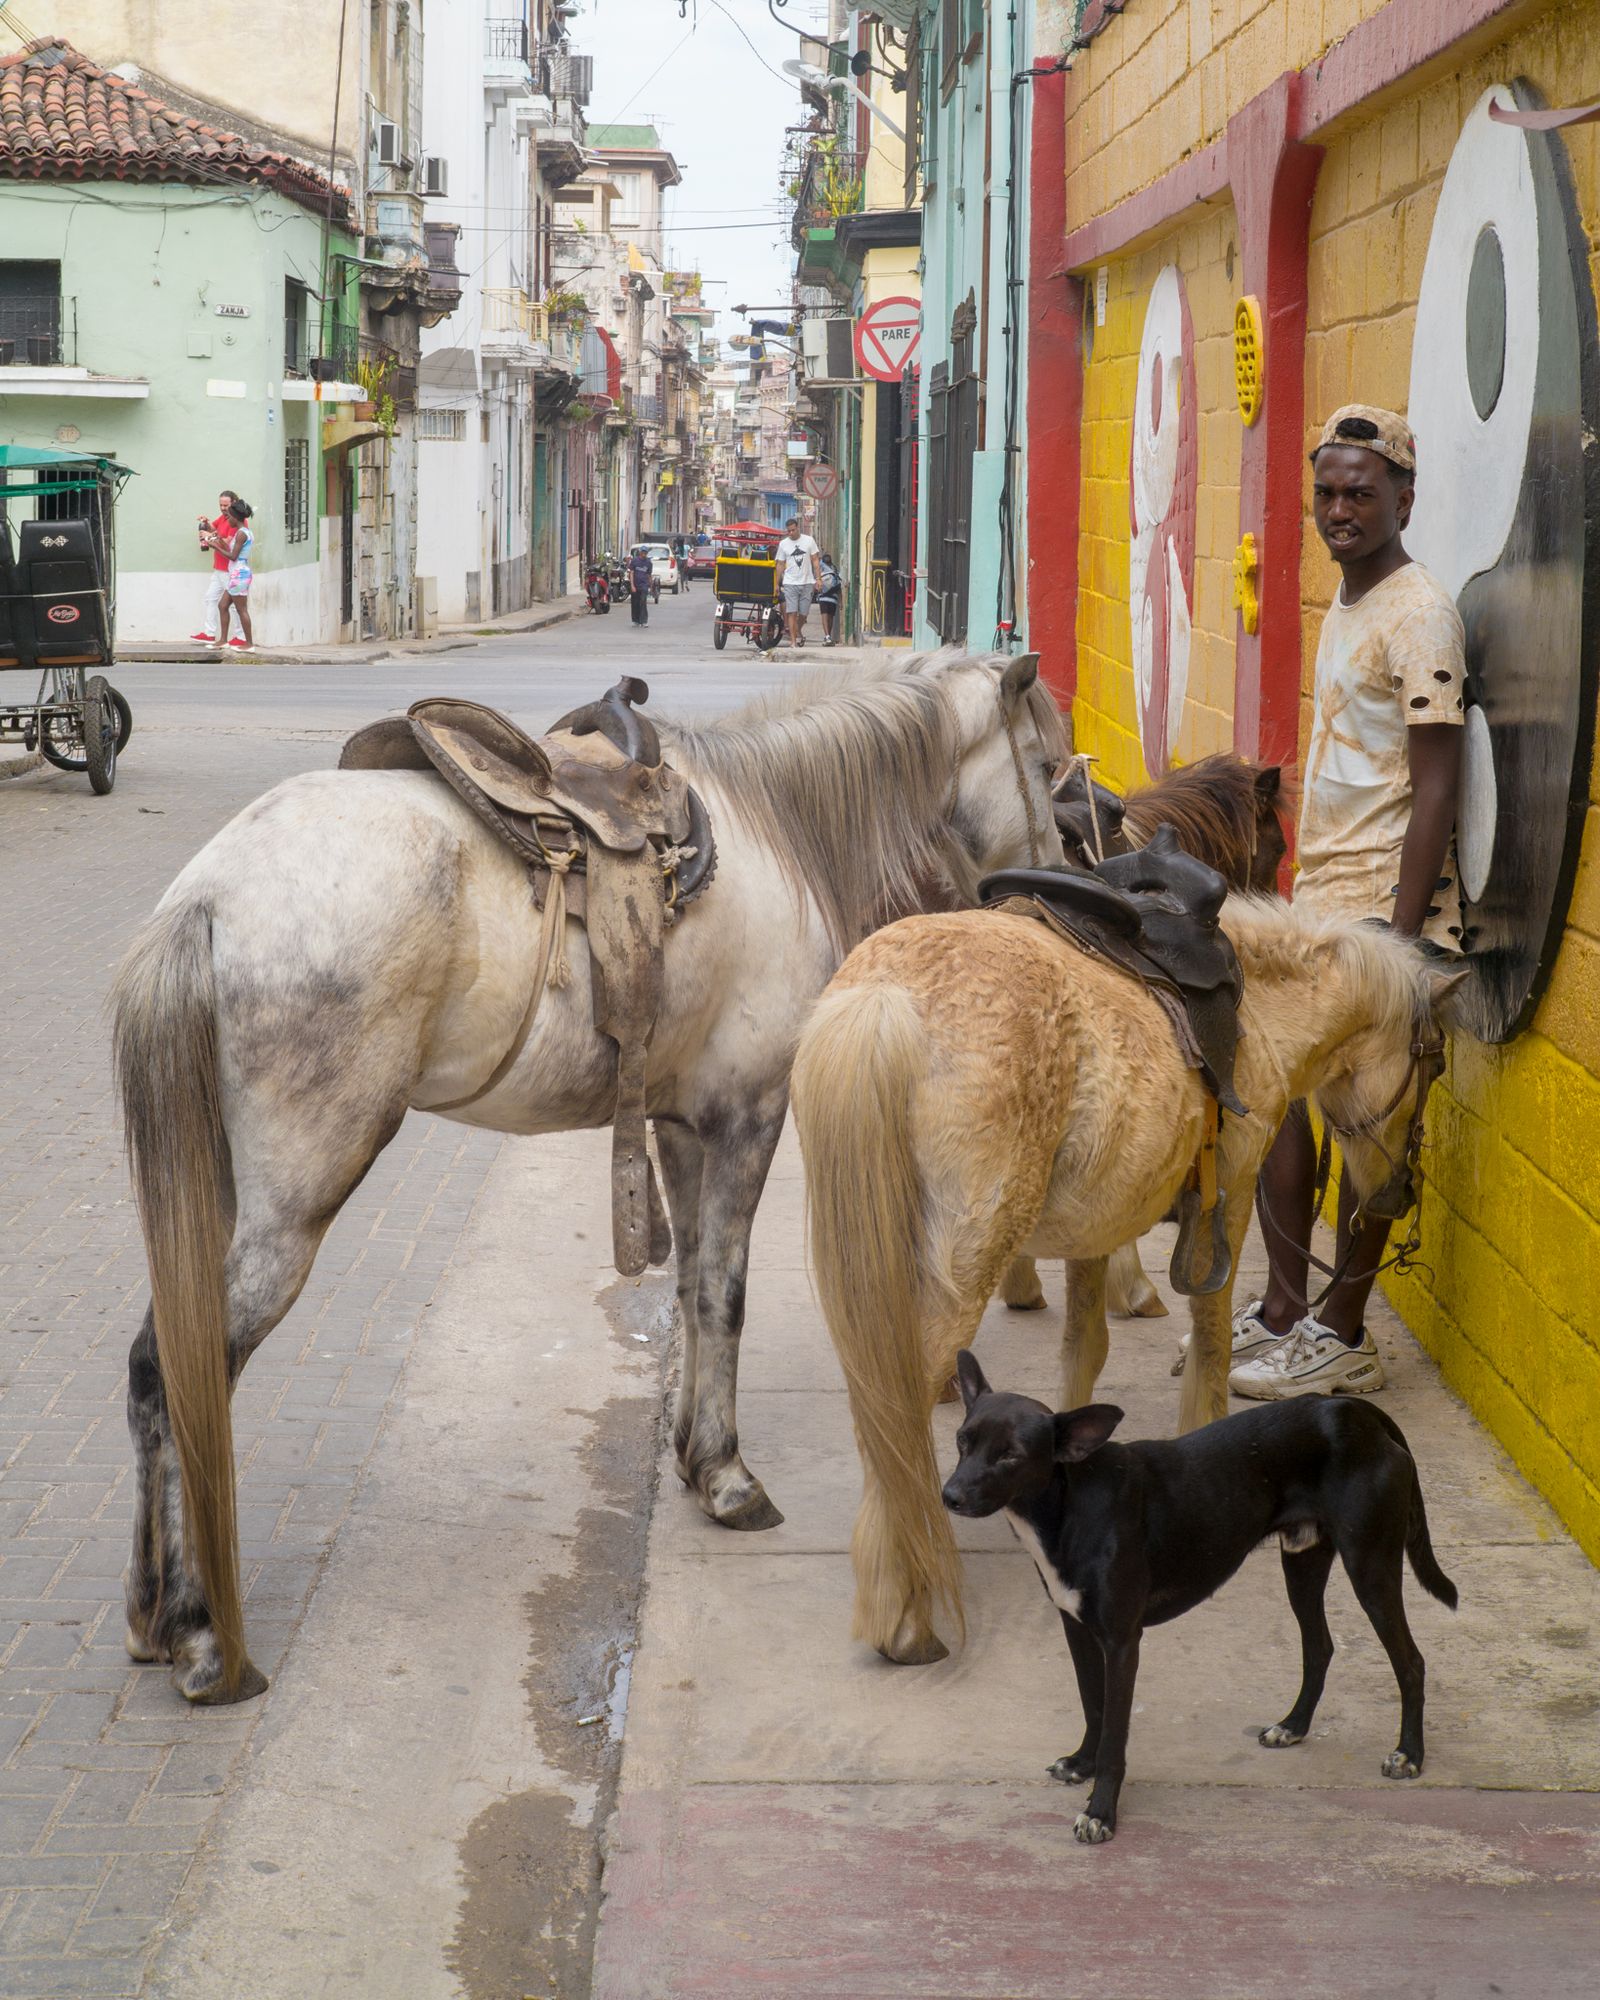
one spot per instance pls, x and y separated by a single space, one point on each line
799 576
1377 819
215 535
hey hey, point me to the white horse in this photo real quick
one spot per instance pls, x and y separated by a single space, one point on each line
356 943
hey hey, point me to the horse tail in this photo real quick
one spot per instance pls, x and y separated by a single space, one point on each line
1419 1543
871 1256
164 1045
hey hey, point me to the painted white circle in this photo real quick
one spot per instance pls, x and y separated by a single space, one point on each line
1469 468
1155 429
1178 628
1478 808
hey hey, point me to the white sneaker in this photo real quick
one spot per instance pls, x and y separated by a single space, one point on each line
1310 1361
1251 1338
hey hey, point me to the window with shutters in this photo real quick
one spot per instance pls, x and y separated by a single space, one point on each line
952 39
297 490
913 113
952 442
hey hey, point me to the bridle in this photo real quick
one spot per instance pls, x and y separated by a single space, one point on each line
1035 842
1405 1170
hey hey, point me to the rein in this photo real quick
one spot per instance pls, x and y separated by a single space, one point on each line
1426 1066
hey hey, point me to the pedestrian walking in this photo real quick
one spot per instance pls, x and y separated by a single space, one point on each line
830 594
641 575
214 533
240 573
1377 816
797 558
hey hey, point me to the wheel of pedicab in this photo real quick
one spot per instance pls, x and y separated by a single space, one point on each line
719 633
101 725
770 631
62 744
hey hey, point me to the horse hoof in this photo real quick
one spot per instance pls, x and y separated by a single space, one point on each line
1398 1765
138 1647
202 1685
1280 1736
926 1651
751 1514
1034 1305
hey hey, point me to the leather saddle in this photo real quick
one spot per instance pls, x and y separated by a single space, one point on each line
611 835
1153 912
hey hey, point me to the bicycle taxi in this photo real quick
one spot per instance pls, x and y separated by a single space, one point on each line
58 609
745 585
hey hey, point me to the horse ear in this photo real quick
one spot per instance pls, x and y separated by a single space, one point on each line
969 1377
1269 781
1020 675
1448 995
1080 1433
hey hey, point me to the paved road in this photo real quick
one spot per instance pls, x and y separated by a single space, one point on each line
107 1788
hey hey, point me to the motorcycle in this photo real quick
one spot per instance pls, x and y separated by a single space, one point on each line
617 578
597 588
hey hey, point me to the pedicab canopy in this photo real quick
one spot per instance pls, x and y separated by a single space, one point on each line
93 469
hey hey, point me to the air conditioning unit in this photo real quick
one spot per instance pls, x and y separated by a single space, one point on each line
827 350
388 137
435 174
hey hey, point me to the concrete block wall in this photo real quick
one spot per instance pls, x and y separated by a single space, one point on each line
1105 718
1506 1296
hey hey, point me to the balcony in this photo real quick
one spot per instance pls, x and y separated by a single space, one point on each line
444 278
507 69
560 134
396 220
39 332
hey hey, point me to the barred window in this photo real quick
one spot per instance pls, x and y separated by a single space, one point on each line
297 490
449 425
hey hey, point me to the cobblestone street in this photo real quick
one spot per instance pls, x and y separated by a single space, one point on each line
107 1786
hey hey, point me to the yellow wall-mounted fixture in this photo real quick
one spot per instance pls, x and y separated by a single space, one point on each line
1245 565
1248 358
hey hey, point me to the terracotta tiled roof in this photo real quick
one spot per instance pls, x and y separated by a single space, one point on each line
63 117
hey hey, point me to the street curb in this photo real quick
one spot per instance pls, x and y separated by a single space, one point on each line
368 652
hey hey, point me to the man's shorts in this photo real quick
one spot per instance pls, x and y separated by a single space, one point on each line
797 599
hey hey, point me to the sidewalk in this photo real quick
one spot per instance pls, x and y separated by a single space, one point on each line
450 639
797 1817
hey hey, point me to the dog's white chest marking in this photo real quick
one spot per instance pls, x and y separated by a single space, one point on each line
1062 1596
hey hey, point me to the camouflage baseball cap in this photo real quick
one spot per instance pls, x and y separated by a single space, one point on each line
1371 429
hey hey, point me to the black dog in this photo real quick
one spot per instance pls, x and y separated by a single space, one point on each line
1127 1536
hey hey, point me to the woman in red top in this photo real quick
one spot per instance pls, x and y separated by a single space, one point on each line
216 535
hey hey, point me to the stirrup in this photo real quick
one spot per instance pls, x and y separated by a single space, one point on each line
1202 1258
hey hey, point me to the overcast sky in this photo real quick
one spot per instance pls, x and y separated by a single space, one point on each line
722 113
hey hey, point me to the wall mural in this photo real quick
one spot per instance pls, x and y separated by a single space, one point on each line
1505 380
1163 479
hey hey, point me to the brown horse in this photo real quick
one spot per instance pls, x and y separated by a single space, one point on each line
1226 811
971 1085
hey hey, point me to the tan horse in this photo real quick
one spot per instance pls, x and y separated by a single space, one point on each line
971 1086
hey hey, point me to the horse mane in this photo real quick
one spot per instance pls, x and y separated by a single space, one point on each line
1214 808
845 775
1388 975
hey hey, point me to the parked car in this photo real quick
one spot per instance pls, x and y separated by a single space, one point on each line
664 563
702 559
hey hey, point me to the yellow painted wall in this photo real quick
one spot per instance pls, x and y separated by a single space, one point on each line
1509 1303
1104 716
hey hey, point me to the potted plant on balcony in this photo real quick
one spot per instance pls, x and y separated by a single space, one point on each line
562 302
372 378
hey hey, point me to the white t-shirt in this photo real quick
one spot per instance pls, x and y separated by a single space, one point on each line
1384 665
795 553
